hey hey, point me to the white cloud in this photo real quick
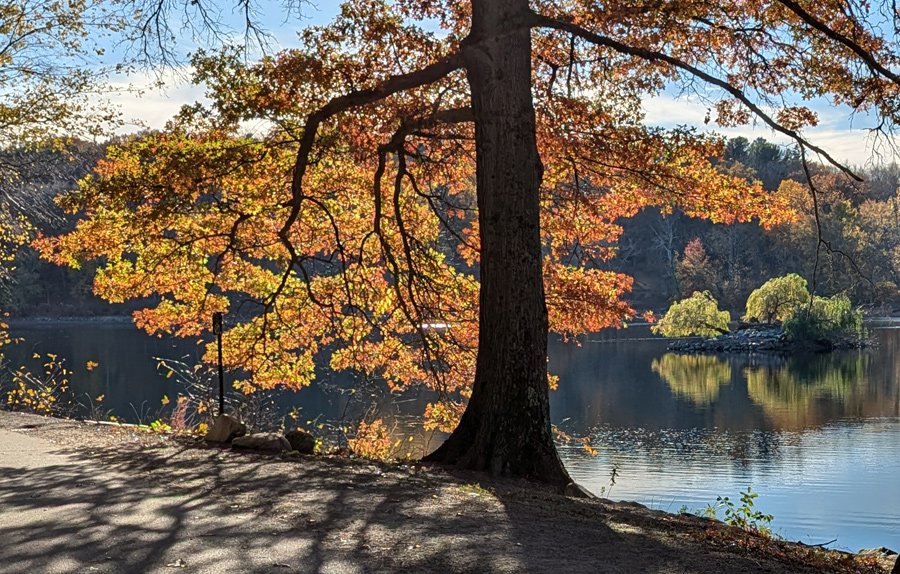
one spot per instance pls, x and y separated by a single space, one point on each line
667 111
845 138
147 101
144 103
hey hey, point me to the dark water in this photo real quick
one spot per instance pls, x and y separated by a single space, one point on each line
818 437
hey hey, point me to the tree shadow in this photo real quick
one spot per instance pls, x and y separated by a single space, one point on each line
210 510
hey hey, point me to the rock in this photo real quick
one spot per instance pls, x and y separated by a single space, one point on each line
301 441
750 339
877 551
224 429
263 442
886 558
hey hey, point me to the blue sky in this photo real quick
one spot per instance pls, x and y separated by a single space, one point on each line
839 133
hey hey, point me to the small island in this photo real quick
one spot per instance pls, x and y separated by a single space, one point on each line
781 316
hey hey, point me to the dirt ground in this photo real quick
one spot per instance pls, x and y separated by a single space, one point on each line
78 497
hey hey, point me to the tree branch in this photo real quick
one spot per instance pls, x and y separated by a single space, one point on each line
427 75
539 20
866 56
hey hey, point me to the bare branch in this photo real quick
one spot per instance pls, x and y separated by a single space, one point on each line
865 55
820 238
654 56
395 84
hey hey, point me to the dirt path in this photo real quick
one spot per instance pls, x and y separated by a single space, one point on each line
82 498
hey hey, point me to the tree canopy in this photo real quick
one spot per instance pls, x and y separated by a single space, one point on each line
697 315
443 181
50 71
777 299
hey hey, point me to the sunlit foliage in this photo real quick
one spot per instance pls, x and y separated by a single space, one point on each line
826 318
777 299
44 393
350 229
698 315
50 70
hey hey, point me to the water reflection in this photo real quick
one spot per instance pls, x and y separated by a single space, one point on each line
694 377
794 393
809 391
639 385
816 435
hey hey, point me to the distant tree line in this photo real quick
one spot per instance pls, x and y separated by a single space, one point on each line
670 256
30 286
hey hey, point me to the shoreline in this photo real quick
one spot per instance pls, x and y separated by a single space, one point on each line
399 517
887 321
768 339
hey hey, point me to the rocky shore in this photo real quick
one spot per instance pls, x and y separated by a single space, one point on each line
759 339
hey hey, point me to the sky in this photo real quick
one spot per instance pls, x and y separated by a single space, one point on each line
843 136
839 133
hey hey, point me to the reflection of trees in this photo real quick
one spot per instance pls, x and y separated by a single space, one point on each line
694 377
667 449
804 390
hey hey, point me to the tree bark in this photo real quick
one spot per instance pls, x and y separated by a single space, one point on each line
505 429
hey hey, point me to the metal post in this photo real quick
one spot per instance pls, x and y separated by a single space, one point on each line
217 329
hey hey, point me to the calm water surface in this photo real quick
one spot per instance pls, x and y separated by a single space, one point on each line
817 436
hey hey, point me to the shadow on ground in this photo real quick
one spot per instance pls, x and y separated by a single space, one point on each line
160 509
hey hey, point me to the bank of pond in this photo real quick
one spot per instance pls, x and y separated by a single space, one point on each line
815 435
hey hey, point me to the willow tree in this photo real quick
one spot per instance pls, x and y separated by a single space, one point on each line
442 183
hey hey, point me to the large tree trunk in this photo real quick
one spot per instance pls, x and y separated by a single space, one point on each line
505 429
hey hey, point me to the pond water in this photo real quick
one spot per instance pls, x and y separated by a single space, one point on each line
818 436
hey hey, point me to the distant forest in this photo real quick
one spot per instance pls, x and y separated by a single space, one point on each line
669 255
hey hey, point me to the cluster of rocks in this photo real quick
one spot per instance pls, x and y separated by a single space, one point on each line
886 558
767 339
761 338
228 430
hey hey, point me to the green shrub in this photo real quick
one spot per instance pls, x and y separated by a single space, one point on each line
828 318
699 315
777 299
743 516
